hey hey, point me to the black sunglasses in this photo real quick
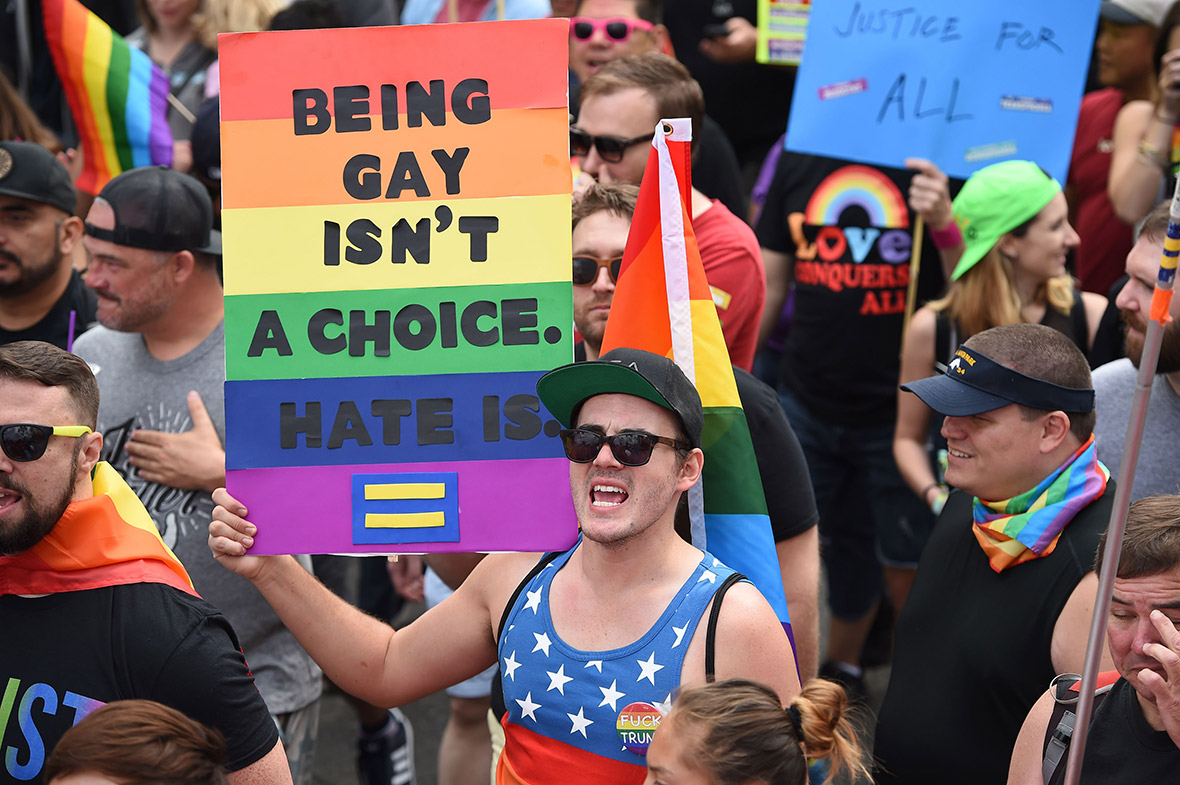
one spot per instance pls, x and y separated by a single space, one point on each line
586 269
610 148
629 449
24 442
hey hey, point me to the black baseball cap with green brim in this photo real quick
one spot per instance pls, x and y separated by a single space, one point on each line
628 372
974 384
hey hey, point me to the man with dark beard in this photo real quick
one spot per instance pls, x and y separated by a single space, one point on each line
42 297
94 605
1114 383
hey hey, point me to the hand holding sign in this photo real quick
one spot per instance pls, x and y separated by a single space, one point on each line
930 195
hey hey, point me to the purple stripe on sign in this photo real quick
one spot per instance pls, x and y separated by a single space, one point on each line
160 140
309 509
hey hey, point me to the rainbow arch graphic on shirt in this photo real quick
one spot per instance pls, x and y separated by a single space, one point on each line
858 186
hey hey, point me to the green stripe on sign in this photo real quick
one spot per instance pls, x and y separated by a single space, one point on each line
398 332
733 485
118 76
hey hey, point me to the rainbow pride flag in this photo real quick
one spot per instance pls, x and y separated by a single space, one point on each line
118 96
663 304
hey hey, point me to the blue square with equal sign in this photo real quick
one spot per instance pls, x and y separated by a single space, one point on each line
392 509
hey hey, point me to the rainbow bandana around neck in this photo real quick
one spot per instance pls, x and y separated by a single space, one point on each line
1027 526
106 540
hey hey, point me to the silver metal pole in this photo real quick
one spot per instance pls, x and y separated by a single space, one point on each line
1160 302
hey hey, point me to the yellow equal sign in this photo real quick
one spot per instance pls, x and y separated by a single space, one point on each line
402 492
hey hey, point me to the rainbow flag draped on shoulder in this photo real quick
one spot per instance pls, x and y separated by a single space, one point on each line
662 304
118 96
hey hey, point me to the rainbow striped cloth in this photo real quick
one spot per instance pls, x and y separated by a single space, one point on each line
106 540
118 96
663 304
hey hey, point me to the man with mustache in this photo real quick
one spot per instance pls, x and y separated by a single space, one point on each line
1135 727
41 294
93 606
159 357
1114 383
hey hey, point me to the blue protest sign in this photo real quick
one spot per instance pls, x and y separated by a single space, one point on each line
963 84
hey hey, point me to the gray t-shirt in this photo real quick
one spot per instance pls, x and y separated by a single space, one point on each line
139 391
1158 469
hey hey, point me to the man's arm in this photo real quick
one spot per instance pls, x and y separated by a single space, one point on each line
1028 753
798 559
1072 629
362 655
270 769
779 269
751 643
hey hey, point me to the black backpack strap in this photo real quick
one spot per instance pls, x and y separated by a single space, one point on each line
1059 731
711 629
497 696
540 565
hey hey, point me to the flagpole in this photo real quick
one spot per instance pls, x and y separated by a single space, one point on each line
911 291
1160 303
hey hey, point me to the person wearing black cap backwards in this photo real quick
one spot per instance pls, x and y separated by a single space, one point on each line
42 297
591 647
1005 588
159 357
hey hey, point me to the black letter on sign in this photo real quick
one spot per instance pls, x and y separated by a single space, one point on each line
435 414
366 247
408 316
479 227
391 411
389 107
331 244
469 102
446 323
352 104
303 111
523 419
348 425
269 334
363 186
469 324
315 331
360 333
431 104
406 174
896 95
416 240
451 164
519 318
291 425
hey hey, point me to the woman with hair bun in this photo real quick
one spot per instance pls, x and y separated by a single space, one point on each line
736 732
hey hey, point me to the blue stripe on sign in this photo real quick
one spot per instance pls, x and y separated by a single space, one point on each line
399 419
381 515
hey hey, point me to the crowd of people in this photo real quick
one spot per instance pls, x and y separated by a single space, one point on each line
952 471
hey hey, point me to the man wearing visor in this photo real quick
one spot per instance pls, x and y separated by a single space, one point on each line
1005 588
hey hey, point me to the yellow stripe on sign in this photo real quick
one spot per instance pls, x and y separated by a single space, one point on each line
406 490
285 245
404 520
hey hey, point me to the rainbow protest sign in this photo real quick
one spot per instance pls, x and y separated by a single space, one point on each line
397 244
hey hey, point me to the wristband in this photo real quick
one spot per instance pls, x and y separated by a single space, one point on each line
948 236
1148 154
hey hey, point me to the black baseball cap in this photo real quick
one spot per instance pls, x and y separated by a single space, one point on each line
628 371
974 384
29 171
159 209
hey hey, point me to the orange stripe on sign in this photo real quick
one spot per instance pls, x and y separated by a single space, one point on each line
519 152
524 63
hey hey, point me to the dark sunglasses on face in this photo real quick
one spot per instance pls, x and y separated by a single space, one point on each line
610 148
616 29
24 442
586 269
629 449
